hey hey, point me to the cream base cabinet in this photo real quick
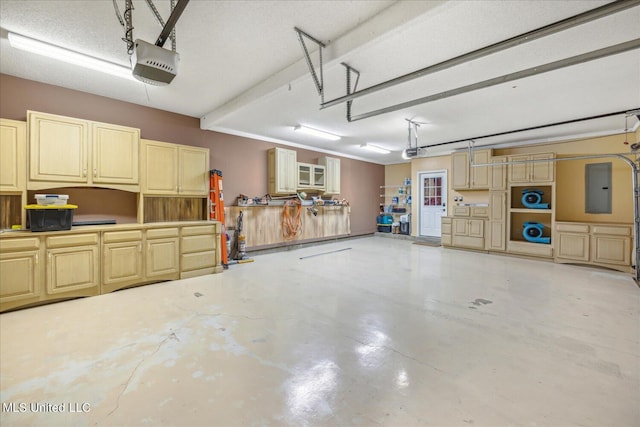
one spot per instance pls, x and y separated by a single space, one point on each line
497 238
467 233
20 272
13 155
173 169
94 153
73 265
162 254
332 171
121 259
282 170
604 245
199 251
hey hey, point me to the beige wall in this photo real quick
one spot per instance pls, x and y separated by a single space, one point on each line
243 161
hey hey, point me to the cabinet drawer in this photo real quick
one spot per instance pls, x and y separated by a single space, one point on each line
480 211
461 211
572 228
161 233
198 260
191 244
611 230
446 220
72 240
468 242
199 229
534 249
23 244
121 236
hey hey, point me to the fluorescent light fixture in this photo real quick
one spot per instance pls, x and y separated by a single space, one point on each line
316 132
45 49
375 149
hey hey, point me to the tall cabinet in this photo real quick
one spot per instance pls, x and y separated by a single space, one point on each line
533 174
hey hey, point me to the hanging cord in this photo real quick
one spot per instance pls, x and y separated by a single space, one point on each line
291 226
126 23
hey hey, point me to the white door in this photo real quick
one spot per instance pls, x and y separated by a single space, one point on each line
433 202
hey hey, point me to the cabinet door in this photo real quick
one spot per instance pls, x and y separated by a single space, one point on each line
160 162
332 170
115 154
460 227
13 152
611 249
194 171
519 173
498 174
460 171
542 171
122 263
476 228
319 177
497 236
480 174
573 246
20 280
282 171
498 205
162 258
58 148
73 270
304 176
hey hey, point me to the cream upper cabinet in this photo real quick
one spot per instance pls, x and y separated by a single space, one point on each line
116 158
311 177
49 137
13 155
193 169
174 169
467 177
282 171
532 169
94 153
332 174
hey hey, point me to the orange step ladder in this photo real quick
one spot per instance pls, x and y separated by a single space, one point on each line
216 210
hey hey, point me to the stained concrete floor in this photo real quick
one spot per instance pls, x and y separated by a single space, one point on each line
380 332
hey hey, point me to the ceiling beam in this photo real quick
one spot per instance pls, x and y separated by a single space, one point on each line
545 68
582 18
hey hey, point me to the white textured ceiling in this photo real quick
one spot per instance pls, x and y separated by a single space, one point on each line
242 69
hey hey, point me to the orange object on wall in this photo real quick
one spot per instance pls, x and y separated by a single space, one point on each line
216 210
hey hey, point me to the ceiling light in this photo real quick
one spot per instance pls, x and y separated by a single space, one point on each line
45 49
375 149
316 132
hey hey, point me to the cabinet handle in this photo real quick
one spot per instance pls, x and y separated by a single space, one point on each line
139 247
95 172
84 172
37 258
49 255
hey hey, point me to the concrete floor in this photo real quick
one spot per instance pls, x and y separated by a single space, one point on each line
380 332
